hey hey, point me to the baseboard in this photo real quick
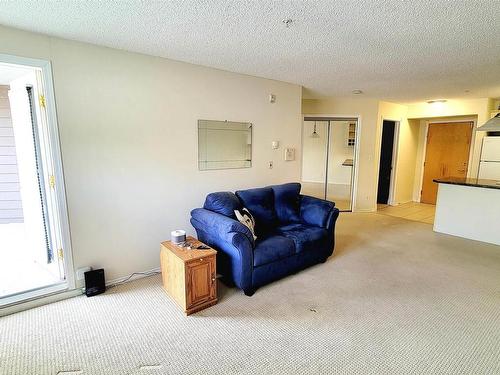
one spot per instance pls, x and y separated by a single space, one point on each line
399 203
363 210
138 275
21 306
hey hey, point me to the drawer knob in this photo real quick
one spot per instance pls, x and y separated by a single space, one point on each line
201 259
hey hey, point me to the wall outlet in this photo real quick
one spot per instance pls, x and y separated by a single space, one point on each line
80 272
271 164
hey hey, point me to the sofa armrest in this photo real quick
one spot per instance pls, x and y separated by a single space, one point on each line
231 238
222 225
315 211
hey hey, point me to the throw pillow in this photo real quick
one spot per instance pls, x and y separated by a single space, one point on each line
245 217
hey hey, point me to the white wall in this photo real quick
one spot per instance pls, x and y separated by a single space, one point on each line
128 130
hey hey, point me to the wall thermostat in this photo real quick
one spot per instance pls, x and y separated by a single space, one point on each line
289 154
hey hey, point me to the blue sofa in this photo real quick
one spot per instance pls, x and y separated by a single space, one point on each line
293 231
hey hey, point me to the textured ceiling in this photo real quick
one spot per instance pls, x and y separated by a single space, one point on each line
394 50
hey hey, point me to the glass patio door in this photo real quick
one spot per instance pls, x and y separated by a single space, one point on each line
30 216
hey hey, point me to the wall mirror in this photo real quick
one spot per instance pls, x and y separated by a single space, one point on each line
224 144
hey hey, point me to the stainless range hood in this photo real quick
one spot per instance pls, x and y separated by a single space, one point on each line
492 125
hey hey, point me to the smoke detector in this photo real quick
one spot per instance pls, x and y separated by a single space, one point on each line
357 92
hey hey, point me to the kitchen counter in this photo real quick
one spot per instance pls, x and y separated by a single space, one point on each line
468 208
475 182
348 163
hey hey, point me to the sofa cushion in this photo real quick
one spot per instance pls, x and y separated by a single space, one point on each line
223 203
305 237
260 203
287 202
271 249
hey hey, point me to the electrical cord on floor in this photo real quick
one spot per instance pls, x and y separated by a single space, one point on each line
149 273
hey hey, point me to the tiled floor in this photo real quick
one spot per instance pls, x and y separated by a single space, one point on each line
411 211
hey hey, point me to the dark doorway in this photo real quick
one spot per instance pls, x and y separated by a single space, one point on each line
386 151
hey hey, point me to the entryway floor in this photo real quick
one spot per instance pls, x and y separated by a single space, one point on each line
414 211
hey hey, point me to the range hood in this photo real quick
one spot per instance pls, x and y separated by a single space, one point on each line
492 125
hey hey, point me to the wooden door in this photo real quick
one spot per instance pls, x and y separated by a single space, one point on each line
201 282
447 155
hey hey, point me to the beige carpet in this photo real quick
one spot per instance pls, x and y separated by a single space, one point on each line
395 299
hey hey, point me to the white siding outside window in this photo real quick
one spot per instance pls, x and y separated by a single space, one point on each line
11 210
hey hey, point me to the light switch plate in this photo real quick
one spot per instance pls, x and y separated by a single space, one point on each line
289 154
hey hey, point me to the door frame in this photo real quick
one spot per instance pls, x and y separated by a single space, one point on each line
354 177
394 162
439 120
56 158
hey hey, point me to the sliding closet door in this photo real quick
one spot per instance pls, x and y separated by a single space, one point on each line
314 158
340 170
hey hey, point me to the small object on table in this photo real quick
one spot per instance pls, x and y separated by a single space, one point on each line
189 275
178 236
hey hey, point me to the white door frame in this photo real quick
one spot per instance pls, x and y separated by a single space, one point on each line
394 162
354 192
53 132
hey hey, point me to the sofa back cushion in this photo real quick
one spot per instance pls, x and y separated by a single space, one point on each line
287 202
223 203
260 203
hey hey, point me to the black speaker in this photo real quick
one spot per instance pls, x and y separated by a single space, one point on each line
94 282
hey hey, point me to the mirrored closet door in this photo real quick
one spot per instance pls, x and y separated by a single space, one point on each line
328 153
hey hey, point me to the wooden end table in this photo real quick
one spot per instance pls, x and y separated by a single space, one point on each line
189 275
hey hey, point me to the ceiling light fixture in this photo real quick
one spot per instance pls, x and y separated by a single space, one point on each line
357 92
436 101
314 133
288 22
